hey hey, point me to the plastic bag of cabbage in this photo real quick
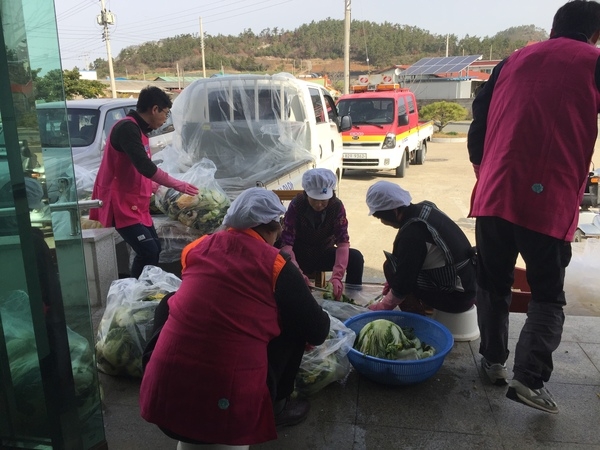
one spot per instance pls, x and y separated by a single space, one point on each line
204 211
328 362
25 377
128 320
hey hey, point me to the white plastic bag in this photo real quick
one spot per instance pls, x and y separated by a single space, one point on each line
327 362
203 212
128 320
22 354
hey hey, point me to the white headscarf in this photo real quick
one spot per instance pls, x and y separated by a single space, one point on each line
319 183
385 196
254 206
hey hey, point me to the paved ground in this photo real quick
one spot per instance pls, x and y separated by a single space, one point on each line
456 408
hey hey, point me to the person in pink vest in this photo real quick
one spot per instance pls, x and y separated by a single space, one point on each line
127 177
531 143
226 359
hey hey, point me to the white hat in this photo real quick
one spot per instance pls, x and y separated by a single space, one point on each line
319 183
385 196
253 207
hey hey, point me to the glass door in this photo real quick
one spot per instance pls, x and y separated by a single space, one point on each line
49 390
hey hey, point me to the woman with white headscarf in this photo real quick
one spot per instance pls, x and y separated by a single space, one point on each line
315 232
225 361
432 263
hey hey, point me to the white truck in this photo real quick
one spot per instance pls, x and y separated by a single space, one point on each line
259 130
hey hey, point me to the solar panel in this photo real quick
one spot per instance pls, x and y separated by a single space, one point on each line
449 64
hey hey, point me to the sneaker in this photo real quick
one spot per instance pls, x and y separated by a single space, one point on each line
294 412
496 373
536 398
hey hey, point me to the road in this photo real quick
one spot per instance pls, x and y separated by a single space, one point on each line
447 179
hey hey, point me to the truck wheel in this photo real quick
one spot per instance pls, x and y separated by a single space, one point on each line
578 237
421 153
401 169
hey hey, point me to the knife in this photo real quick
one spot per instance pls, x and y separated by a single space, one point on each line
319 289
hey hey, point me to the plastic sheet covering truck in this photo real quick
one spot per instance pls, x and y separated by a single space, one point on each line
386 131
259 130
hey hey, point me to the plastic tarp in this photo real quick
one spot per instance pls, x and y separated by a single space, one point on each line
253 127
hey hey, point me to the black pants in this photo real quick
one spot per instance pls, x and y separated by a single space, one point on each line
498 244
326 261
144 242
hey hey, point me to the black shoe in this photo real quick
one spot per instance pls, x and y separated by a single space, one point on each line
294 412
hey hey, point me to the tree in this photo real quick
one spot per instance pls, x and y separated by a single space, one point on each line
50 86
443 113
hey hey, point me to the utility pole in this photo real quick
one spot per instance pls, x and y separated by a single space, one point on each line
202 48
347 46
104 19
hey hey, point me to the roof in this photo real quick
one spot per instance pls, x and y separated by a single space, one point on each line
473 74
486 62
135 86
89 103
178 79
394 67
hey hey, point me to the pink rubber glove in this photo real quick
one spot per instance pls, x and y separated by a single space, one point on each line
390 301
163 178
342 254
289 250
338 288
386 288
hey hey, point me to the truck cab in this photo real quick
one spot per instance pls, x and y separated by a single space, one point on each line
386 132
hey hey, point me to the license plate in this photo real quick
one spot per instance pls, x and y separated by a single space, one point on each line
355 155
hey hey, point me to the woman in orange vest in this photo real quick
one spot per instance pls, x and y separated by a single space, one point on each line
225 361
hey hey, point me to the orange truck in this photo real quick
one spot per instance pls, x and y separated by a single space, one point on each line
386 132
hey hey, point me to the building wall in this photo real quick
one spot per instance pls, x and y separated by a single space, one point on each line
441 89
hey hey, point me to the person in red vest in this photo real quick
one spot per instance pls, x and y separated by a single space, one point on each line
127 177
535 124
224 364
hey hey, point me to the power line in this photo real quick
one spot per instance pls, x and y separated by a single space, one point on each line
82 39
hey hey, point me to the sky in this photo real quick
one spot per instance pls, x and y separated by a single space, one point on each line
139 21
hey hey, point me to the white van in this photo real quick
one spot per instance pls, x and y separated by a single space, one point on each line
83 133
87 126
259 130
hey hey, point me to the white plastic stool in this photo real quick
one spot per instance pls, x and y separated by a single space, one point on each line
463 326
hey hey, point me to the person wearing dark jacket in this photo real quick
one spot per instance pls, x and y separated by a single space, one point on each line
315 232
225 361
127 177
432 260
534 128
